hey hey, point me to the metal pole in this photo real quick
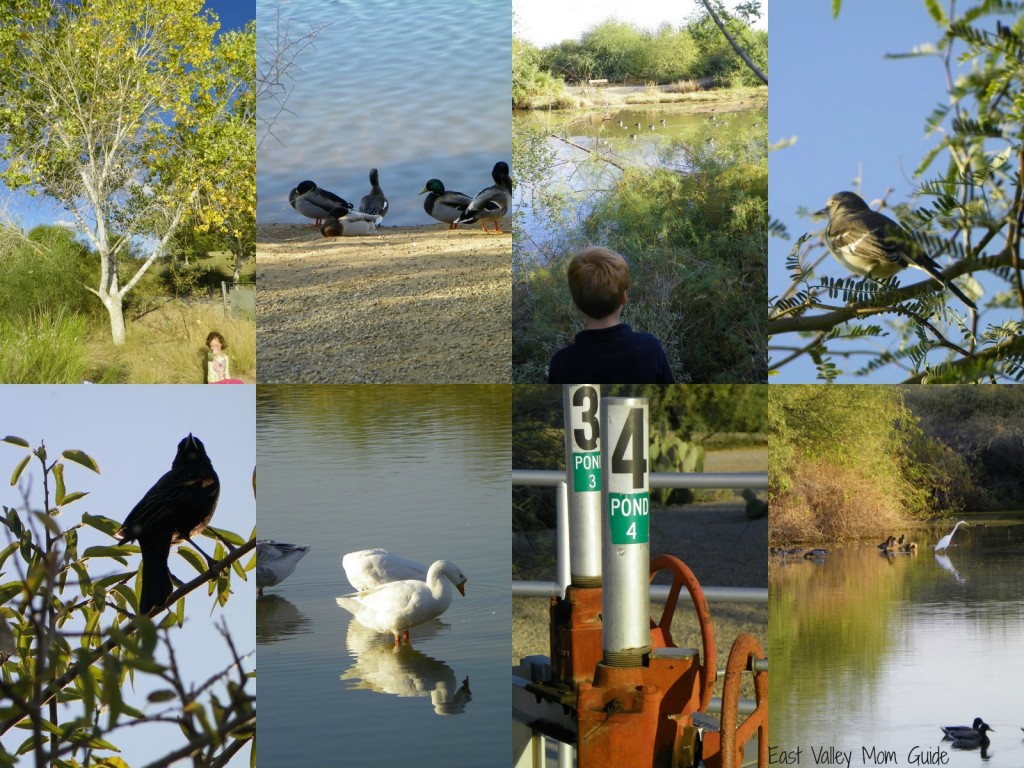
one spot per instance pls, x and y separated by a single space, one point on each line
581 405
562 529
625 503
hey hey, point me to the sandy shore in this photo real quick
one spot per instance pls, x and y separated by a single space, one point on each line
406 305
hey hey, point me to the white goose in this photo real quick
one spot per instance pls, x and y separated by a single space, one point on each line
275 562
369 568
399 605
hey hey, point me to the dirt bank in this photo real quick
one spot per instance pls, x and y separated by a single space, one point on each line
406 305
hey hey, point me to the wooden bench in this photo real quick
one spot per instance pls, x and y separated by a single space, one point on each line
601 81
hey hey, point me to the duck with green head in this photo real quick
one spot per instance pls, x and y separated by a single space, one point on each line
443 204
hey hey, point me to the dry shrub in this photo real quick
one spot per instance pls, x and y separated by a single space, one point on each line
831 502
685 86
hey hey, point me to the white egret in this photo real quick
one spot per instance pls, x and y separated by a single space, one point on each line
944 541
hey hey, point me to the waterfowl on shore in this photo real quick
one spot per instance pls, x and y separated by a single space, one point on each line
491 203
315 203
443 204
275 562
342 223
374 203
945 540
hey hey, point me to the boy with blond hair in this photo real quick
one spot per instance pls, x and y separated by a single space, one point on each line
606 351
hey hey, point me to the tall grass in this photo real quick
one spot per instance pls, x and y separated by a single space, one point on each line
44 348
168 346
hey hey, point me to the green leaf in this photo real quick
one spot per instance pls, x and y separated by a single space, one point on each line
229 536
16 441
118 553
164 694
58 474
82 458
937 12
102 524
19 469
74 496
49 523
193 558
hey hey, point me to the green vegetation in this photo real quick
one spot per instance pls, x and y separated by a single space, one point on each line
52 330
970 189
74 647
695 243
166 143
694 52
854 461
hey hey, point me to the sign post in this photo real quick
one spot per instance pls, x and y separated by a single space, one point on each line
625 502
582 406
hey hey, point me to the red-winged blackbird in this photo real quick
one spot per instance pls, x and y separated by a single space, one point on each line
177 507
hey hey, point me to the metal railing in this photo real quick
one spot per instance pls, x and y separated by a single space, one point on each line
702 480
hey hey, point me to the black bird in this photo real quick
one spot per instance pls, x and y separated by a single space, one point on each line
177 507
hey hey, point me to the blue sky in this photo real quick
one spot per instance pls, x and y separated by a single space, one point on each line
132 432
27 212
858 123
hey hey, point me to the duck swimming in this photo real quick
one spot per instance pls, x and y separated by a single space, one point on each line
375 203
275 562
315 203
491 203
889 543
972 739
963 730
396 607
444 204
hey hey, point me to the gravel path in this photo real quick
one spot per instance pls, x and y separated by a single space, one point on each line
407 305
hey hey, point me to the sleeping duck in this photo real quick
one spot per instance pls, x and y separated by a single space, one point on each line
374 203
309 200
340 222
444 205
492 203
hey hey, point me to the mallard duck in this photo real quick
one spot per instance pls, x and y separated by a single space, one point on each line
491 203
444 205
952 731
889 543
399 605
910 547
972 739
311 201
275 562
374 203
815 554
369 568
342 223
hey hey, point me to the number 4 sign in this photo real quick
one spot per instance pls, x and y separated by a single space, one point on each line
628 494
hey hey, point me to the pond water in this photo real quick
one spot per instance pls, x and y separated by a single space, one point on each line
590 149
423 472
874 652
417 90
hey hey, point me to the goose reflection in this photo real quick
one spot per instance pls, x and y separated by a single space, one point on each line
403 670
277 618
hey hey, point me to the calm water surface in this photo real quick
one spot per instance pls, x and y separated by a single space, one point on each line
417 90
876 652
591 147
422 471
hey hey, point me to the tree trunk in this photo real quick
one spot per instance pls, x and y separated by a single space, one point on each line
116 311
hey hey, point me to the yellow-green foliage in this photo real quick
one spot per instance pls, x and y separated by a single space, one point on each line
43 348
843 462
